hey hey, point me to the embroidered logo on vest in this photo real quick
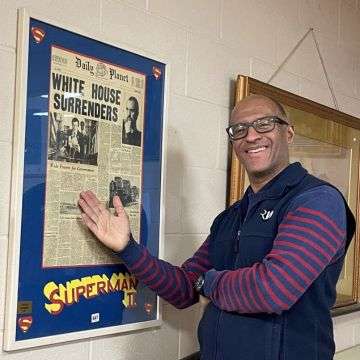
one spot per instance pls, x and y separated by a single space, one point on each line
266 214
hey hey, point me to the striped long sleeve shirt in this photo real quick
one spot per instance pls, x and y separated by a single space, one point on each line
310 237
172 283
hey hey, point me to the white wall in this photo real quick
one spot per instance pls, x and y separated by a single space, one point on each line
208 43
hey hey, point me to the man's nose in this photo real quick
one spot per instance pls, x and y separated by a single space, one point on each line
252 135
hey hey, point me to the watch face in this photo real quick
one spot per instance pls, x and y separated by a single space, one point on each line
199 283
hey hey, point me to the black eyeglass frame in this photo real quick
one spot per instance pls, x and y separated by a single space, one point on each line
274 119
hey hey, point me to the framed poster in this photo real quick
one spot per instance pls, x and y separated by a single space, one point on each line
327 144
89 115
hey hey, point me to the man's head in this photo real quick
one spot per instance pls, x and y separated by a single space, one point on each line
264 154
75 124
132 112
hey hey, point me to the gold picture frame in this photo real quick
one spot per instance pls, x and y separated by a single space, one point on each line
327 143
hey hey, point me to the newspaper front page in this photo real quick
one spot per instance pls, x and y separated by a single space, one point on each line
95 142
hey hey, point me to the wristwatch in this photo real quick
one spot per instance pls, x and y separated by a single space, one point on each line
199 285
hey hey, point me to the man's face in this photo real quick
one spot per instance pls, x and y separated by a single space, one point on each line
131 110
75 126
262 154
127 125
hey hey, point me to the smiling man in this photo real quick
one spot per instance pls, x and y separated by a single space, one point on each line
270 264
263 152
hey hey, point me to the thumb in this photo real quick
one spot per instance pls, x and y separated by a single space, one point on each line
119 208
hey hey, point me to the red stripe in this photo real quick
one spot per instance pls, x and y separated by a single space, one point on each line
203 251
154 274
320 214
145 269
190 291
260 294
205 263
250 290
239 304
256 270
311 232
204 248
178 291
188 281
302 249
302 262
177 282
157 284
172 296
139 262
238 284
281 287
197 266
314 222
278 254
161 280
166 288
273 296
287 276
234 300
227 304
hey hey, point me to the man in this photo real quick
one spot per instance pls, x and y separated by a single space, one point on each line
61 138
84 144
271 262
74 140
130 134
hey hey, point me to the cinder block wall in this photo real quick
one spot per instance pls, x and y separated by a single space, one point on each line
208 43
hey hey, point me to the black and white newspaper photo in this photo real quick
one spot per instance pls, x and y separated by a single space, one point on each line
95 137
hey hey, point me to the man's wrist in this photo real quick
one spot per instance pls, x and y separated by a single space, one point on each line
128 243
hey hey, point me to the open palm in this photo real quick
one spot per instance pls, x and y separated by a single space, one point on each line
112 230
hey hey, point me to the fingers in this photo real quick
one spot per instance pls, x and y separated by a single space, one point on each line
86 209
90 205
90 198
89 223
119 208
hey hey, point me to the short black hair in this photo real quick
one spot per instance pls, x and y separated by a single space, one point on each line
74 120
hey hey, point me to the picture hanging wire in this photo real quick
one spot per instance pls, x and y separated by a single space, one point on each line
311 30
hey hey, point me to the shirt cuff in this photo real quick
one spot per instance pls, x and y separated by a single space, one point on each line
211 279
131 253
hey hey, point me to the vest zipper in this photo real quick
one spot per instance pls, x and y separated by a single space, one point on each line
236 245
237 241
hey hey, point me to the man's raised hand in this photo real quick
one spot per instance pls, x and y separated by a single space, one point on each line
112 230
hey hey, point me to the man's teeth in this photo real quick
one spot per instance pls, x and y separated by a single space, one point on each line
252 151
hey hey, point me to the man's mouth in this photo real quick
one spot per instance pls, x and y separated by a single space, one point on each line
255 150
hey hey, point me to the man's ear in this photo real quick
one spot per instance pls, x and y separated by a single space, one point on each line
290 134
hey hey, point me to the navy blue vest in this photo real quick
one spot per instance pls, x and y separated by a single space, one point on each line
302 333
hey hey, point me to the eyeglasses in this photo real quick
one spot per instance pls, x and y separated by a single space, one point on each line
262 125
